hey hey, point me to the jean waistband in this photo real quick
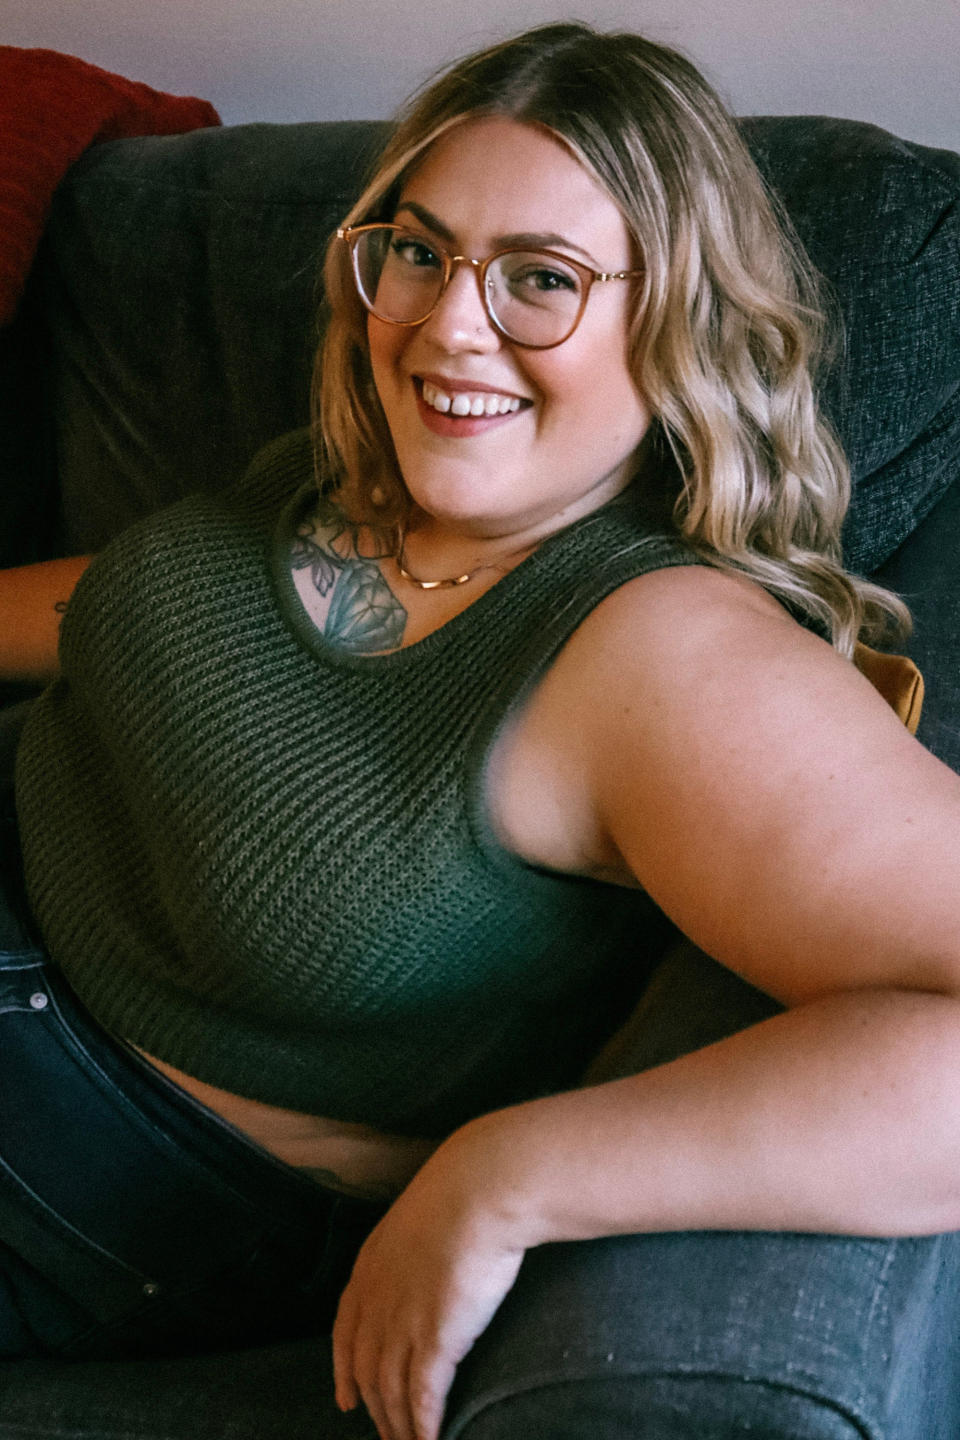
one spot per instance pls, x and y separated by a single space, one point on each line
251 1170
256 1177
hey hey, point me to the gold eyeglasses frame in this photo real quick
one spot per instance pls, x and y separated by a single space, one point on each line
350 234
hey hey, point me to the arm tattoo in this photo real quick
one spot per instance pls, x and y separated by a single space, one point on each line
364 615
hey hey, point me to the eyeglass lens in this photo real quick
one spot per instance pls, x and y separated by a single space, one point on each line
534 298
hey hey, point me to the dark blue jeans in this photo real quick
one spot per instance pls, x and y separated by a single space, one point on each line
132 1220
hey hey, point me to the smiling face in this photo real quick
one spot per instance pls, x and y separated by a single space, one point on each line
493 439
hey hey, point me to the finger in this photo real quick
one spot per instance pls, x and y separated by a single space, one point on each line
346 1392
365 1369
429 1384
394 1391
378 1415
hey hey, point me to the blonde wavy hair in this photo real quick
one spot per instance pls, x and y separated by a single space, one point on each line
726 335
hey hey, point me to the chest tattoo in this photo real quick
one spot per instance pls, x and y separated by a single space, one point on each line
363 615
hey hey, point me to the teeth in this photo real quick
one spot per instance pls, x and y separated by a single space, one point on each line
464 403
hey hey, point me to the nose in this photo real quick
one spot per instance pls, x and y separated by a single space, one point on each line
460 321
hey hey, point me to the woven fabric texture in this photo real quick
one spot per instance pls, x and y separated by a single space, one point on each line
267 862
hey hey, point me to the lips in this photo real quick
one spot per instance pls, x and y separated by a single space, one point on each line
452 410
468 402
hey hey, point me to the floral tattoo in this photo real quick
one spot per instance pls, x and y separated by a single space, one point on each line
364 616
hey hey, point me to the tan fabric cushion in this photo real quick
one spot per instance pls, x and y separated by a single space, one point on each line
897 679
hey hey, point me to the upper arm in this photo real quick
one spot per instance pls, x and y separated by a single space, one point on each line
757 786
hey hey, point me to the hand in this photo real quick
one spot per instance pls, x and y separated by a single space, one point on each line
425 1284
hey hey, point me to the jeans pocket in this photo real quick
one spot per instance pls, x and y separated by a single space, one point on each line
76 1298
98 1206
254 1300
55 1288
128 1224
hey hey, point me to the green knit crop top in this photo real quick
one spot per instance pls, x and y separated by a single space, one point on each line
268 862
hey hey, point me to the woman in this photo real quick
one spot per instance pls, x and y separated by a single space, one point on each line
362 817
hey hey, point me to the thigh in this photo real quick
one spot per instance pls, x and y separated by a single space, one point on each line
134 1222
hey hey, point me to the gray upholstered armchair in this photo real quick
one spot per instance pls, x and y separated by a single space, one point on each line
167 332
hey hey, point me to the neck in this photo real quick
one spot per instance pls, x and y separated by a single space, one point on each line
434 546
444 566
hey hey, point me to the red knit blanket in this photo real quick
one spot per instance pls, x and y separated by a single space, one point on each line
52 107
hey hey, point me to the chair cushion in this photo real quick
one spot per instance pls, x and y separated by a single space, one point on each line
180 290
277 1392
925 572
880 218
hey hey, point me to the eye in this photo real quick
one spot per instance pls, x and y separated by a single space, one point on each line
538 278
414 251
543 278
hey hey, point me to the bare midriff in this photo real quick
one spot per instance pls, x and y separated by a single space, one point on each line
353 1159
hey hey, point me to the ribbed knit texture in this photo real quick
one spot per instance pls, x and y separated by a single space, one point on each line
267 862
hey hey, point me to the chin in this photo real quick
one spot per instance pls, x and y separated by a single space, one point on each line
453 498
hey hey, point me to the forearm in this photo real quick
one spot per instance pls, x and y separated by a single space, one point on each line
31 603
838 1116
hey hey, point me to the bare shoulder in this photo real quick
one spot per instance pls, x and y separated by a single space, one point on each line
758 786
664 644
685 607
677 638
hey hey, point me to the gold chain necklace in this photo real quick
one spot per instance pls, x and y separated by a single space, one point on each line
450 581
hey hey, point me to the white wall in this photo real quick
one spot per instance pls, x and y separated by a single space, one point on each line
895 62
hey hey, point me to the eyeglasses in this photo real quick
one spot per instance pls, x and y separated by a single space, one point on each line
533 297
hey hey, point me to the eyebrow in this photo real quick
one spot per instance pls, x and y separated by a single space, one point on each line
525 240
